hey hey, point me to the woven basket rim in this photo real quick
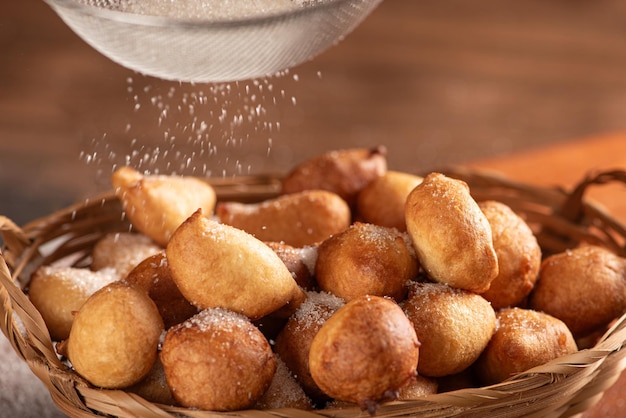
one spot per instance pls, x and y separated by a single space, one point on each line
562 387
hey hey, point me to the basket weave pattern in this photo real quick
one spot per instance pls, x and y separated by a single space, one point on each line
561 220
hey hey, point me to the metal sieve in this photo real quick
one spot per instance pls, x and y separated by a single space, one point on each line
212 50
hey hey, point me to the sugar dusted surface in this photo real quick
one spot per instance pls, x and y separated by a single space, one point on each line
409 243
379 236
308 255
84 280
284 392
215 230
212 319
431 293
123 251
314 310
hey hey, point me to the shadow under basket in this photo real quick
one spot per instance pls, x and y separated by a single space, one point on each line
563 387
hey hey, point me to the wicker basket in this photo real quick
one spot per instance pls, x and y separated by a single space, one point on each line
560 388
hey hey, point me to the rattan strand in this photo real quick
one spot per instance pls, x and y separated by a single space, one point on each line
561 388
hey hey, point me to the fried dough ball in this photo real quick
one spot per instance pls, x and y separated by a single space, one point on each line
344 172
592 339
382 201
414 389
58 292
420 386
523 339
217 265
217 360
154 276
298 219
299 261
154 387
293 343
453 325
584 287
114 339
366 259
519 256
122 251
284 391
365 352
156 204
450 233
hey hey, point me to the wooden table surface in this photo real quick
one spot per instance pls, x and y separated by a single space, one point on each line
527 88
565 164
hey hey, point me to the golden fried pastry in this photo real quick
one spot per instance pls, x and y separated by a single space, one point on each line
583 287
453 325
365 352
217 265
519 256
344 172
58 292
115 335
154 276
154 387
420 386
414 389
366 259
284 391
382 201
293 343
122 251
217 360
297 219
592 339
450 233
299 261
523 339
156 204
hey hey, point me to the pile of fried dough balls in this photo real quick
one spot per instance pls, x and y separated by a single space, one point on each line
355 285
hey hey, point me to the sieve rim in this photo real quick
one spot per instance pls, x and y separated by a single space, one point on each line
175 22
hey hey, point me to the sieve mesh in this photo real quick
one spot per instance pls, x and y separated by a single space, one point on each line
211 51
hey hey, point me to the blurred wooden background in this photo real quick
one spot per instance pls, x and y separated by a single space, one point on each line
437 82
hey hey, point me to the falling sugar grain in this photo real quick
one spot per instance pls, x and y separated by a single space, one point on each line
187 129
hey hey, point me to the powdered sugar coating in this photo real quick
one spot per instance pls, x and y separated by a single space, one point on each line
79 279
216 320
314 310
284 391
308 256
122 251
